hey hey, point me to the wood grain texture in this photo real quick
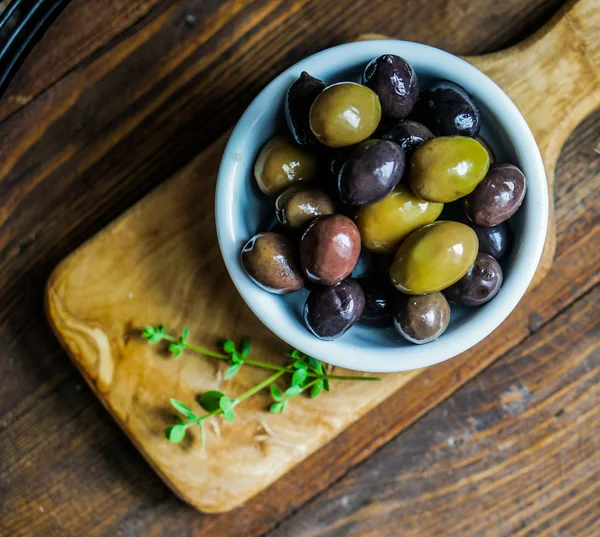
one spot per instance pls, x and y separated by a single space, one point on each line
109 289
96 483
512 454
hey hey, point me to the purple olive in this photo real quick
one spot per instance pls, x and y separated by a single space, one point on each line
496 241
395 83
408 135
479 285
448 110
330 311
379 294
299 99
498 196
371 172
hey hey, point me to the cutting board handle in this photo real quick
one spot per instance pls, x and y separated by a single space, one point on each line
554 79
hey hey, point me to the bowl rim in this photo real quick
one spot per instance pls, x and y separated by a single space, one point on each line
387 359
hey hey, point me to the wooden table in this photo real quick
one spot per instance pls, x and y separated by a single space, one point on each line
118 96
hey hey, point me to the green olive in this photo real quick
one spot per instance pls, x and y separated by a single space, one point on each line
447 168
434 257
281 164
345 114
383 225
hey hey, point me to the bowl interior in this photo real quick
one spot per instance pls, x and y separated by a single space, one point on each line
242 210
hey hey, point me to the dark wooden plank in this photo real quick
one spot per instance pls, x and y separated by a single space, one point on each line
108 132
512 454
83 29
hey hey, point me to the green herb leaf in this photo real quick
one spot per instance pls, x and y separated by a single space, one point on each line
184 335
226 406
176 350
317 388
299 365
236 357
293 391
326 384
209 401
295 354
299 377
182 408
175 433
245 348
229 346
231 371
154 334
317 365
276 393
277 408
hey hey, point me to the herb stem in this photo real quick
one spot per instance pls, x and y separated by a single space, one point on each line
259 387
199 350
342 377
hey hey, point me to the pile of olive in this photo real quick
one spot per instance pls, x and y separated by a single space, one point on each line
371 166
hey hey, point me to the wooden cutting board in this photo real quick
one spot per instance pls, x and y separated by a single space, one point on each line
160 263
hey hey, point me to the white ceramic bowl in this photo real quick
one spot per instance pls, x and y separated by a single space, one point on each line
241 209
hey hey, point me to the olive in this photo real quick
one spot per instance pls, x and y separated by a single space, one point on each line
269 259
434 257
447 168
496 241
296 206
386 223
395 83
422 318
371 172
409 135
488 148
337 158
329 249
448 110
498 196
379 295
344 114
280 164
479 285
299 99
330 311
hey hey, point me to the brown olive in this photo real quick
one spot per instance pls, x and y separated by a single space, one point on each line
270 261
281 164
345 114
296 206
329 249
434 257
422 318
498 196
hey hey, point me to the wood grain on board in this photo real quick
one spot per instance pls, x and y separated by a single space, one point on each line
96 134
160 263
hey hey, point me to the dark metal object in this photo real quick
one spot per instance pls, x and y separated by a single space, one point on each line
22 23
